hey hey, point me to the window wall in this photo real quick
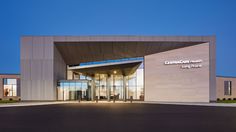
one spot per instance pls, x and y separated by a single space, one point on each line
227 87
101 86
104 85
73 89
135 85
109 86
10 87
113 85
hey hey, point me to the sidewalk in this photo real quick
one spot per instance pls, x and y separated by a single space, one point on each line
31 103
193 104
52 103
117 102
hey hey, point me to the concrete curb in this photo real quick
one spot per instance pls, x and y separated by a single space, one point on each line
117 102
193 104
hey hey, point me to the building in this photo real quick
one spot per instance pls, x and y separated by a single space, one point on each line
149 68
225 87
9 87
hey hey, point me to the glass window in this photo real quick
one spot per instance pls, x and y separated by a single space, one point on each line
228 87
10 87
76 76
82 77
13 90
5 81
71 89
78 86
11 81
84 85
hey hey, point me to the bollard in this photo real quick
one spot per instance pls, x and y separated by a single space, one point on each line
96 99
114 99
131 99
79 99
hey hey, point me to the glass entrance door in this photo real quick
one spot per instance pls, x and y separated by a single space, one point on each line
101 88
107 87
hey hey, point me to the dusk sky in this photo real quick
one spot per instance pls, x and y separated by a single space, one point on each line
118 17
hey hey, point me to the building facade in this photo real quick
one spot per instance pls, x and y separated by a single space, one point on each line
10 87
148 68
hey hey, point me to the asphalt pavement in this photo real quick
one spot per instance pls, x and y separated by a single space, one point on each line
122 117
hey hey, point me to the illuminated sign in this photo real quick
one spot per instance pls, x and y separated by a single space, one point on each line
186 64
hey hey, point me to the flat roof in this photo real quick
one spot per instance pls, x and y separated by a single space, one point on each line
79 49
9 73
226 76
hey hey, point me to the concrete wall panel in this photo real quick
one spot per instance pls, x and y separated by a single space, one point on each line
212 51
59 70
38 48
26 90
37 68
1 88
47 68
48 48
26 48
25 69
170 83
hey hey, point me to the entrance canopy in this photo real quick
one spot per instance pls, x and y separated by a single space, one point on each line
75 53
120 68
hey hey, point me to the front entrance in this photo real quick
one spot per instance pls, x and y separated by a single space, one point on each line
109 86
104 87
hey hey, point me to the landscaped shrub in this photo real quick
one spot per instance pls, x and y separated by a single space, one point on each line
10 99
234 98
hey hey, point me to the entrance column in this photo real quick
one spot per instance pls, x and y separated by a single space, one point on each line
124 87
108 87
92 87
114 86
99 85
